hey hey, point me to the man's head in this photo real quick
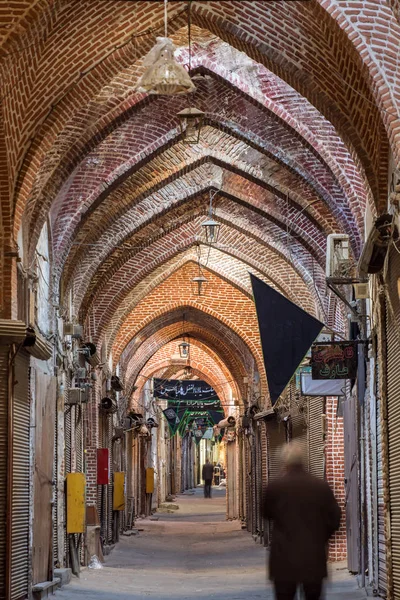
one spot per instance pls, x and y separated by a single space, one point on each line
207 461
292 456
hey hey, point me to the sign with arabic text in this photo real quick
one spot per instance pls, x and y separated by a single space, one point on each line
336 360
184 390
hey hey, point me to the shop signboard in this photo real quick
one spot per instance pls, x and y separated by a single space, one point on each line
334 360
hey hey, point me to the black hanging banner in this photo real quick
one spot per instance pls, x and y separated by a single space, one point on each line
336 360
186 389
286 332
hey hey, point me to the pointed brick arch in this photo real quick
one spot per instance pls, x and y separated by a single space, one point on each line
223 302
222 345
202 359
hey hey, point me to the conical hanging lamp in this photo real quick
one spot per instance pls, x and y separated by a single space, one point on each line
163 75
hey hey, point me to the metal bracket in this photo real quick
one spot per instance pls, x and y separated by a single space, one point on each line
333 282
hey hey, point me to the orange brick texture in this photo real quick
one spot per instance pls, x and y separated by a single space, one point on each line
202 360
222 301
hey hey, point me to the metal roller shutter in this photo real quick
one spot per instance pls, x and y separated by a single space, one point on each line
382 565
109 433
316 454
247 469
276 437
254 484
55 495
264 478
231 470
299 431
393 403
4 357
21 477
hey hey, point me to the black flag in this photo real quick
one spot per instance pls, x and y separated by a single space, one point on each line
173 418
286 332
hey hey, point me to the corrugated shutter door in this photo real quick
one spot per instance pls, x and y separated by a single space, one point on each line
300 431
276 439
382 566
4 357
21 478
264 477
55 494
316 437
247 468
393 404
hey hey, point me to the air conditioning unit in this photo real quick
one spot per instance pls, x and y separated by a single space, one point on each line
77 332
338 262
68 329
361 291
373 255
81 373
76 396
119 433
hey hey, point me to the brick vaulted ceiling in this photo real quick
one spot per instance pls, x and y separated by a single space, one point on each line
299 127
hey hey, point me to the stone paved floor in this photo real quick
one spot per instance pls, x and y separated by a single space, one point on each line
193 554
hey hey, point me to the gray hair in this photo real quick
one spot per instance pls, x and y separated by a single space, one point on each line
292 455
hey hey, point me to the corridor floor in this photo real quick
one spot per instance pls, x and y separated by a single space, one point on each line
192 554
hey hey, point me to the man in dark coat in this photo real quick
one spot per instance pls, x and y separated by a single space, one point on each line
305 514
207 475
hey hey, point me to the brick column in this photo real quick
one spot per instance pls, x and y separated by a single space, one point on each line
91 445
334 456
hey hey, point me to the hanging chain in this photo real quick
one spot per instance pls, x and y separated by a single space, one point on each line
165 18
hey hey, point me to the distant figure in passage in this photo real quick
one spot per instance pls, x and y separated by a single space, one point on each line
207 475
305 514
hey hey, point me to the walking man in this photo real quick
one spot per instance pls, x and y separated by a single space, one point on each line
207 475
305 514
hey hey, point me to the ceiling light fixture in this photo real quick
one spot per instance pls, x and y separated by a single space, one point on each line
211 226
184 346
199 282
190 119
184 349
163 75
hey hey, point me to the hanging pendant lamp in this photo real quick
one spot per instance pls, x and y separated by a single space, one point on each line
211 227
184 349
163 75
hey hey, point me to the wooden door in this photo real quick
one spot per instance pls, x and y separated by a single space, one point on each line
45 400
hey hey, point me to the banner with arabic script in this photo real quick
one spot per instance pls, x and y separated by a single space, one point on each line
187 389
336 360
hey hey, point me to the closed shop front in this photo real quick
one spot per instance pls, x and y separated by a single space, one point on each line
316 442
19 479
393 412
4 357
381 469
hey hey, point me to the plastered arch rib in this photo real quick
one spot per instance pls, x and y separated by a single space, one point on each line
265 236
125 142
111 309
178 163
264 3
